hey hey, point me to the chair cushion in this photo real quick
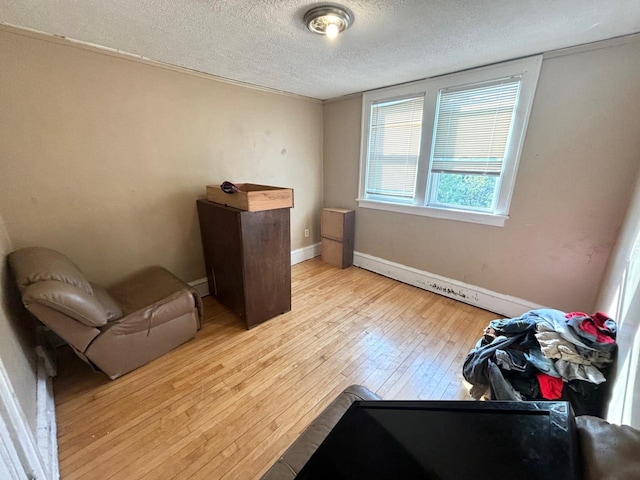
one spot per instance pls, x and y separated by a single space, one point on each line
145 288
67 299
169 308
37 264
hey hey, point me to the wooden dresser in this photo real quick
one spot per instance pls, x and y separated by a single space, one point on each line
248 259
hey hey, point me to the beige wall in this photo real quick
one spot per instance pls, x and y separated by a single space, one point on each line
103 158
16 344
620 297
576 175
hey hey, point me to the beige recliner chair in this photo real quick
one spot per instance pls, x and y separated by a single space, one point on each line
115 330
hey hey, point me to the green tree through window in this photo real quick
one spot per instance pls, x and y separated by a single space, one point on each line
466 190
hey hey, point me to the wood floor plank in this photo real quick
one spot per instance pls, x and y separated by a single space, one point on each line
228 403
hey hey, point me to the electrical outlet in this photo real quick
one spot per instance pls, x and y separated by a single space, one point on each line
306 232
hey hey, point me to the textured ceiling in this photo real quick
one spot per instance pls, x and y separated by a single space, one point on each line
264 42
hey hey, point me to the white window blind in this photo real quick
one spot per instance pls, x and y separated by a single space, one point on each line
473 127
394 146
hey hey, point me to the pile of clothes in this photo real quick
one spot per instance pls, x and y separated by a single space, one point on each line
545 354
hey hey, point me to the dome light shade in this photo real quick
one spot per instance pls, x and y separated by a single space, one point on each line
328 20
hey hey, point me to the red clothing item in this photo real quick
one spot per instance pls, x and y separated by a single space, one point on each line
599 318
594 325
550 387
601 333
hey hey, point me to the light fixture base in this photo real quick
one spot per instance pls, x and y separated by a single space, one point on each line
318 19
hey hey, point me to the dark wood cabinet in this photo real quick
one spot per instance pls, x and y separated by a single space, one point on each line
248 259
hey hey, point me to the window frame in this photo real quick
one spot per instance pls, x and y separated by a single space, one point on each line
528 69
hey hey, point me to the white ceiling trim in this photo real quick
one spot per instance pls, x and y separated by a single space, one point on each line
132 57
69 42
265 42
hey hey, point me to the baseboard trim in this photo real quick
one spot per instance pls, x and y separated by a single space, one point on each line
297 256
305 253
201 285
473 295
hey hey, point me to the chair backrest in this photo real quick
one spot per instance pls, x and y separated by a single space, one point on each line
54 289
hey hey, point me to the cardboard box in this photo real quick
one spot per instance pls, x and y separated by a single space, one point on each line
252 197
337 224
335 254
337 236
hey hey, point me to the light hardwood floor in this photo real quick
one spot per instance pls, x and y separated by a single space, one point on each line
228 403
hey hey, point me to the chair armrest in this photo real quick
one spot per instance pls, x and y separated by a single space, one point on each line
608 451
75 333
162 311
295 457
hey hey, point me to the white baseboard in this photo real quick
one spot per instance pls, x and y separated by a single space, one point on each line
201 285
297 256
305 253
473 295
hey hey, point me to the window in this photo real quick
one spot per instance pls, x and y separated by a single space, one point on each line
448 147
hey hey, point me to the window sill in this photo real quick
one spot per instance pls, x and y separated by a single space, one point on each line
458 215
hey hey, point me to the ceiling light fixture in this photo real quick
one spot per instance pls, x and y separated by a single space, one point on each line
328 20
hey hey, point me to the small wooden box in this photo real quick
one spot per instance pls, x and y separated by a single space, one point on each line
334 253
337 230
252 197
